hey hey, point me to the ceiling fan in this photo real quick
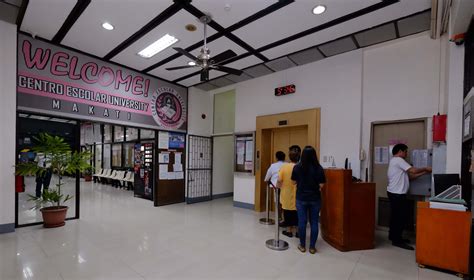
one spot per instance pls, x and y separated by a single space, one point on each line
204 60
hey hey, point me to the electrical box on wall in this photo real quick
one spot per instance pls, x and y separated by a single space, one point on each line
439 128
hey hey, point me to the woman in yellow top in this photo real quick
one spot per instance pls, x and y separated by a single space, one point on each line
288 194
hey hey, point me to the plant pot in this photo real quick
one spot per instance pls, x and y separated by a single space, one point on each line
87 178
54 216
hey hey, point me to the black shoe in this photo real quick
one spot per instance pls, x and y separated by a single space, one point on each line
297 235
403 246
289 234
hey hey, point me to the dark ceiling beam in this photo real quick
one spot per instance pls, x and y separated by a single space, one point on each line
166 14
270 9
197 13
235 58
329 24
21 13
176 55
76 12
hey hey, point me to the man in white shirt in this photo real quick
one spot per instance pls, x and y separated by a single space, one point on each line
399 174
272 172
43 179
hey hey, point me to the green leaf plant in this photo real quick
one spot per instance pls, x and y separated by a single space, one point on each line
61 160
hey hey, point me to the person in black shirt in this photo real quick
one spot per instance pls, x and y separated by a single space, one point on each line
309 177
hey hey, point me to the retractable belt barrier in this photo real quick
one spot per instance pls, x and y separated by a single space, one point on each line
267 220
277 244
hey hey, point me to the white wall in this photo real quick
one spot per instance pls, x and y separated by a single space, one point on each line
401 81
333 84
455 108
199 102
7 124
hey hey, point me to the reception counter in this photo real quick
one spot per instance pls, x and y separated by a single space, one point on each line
347 212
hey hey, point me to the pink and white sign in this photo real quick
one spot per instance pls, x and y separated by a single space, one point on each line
61 82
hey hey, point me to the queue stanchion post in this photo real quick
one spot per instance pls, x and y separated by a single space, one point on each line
267 220
276 243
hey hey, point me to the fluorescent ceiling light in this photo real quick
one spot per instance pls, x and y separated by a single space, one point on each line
319 9
158 46
107 26
192 63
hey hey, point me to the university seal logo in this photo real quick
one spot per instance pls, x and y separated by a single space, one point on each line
168 108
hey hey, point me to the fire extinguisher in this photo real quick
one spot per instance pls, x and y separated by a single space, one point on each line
439 128
19 183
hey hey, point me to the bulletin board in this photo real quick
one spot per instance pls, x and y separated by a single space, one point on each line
171 168
244 160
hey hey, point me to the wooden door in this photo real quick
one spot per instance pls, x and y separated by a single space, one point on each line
283 138
386 134
280 141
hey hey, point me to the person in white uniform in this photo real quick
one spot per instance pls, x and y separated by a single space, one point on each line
399 174
272 172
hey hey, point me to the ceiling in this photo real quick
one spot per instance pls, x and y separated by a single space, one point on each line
266 35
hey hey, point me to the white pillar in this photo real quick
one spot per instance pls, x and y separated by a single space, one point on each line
8 43
455 108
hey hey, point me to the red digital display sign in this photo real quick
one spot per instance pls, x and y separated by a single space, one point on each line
289 89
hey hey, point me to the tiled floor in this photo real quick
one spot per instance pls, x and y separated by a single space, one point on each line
122 237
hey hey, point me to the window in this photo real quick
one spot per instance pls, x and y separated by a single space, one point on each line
119 135
107 133
117 155
147 134
128 149
131 133
107 162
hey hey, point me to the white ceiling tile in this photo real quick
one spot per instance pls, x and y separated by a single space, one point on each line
245 62
392 12
190 81
45 17
87 32
196 79
229 12
295 18
217 46
173 26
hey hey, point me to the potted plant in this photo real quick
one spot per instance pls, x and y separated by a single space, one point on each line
87 174
60 160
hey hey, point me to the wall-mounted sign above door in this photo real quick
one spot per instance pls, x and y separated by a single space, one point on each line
289 89
61 82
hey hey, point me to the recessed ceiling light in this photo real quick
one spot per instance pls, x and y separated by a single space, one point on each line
319 9
158 46
107 26
192 63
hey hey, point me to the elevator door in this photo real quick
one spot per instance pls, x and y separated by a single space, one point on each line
283 138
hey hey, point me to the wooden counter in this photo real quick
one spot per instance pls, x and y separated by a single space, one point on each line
443 238
347 212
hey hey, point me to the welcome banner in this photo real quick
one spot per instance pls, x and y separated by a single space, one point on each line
61 82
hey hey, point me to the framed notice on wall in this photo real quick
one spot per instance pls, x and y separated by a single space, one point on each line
244 152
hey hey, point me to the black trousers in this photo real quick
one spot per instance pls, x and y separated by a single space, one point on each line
398 215
43 181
